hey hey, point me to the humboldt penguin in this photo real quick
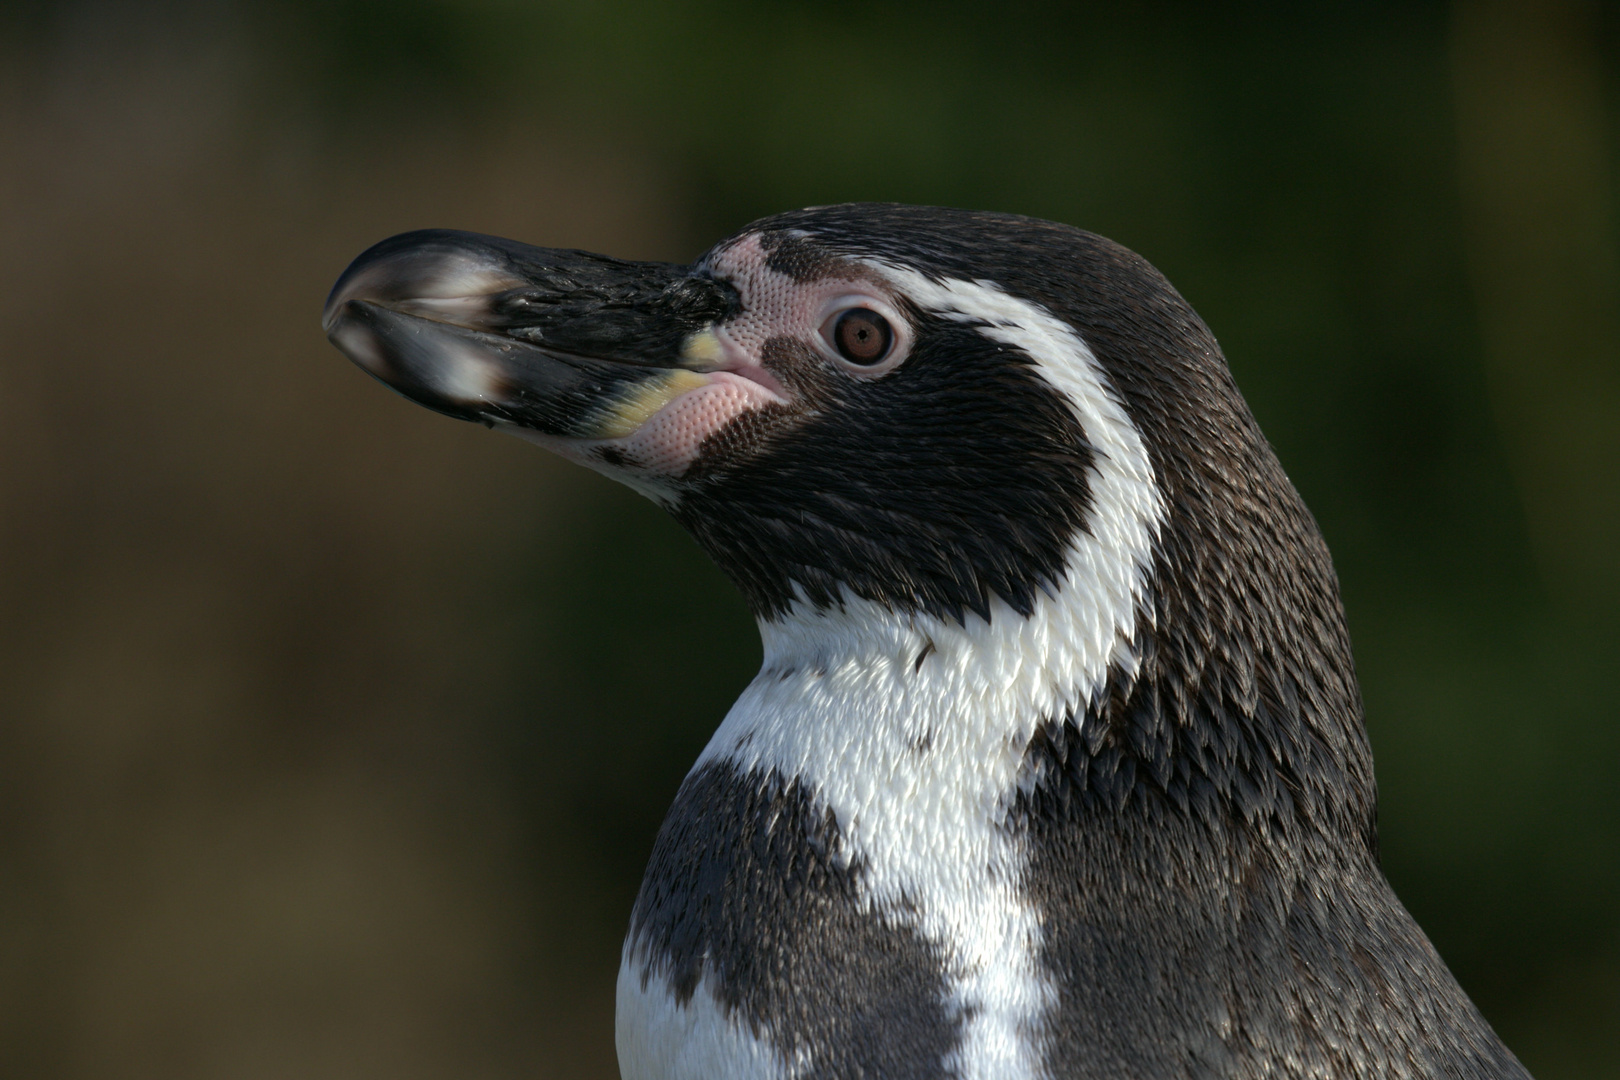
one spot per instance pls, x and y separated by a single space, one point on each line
1055 766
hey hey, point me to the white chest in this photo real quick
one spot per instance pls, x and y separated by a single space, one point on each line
911 737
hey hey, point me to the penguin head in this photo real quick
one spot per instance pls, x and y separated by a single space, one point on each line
919 407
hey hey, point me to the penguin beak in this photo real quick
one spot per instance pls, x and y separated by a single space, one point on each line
561 343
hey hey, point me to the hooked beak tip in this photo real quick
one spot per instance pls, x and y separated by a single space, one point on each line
437 273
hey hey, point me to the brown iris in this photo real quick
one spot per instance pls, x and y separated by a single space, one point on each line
862 336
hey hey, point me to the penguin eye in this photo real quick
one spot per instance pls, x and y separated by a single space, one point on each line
862 336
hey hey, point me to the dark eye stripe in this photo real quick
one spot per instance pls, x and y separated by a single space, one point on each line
862 336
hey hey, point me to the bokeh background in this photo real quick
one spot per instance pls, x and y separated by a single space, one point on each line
334 734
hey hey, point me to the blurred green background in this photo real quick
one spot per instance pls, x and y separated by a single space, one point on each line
334 734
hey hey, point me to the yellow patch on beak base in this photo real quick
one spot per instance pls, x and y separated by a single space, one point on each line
701 350
636 403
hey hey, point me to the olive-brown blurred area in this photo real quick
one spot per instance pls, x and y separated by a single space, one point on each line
334 733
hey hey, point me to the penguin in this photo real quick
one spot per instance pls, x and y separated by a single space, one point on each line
1055 765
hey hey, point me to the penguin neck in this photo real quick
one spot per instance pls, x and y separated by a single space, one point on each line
862 694
1118 712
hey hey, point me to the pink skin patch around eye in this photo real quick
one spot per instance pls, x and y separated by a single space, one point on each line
773 305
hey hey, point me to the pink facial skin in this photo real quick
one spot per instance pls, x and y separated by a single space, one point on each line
668 443
774 306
